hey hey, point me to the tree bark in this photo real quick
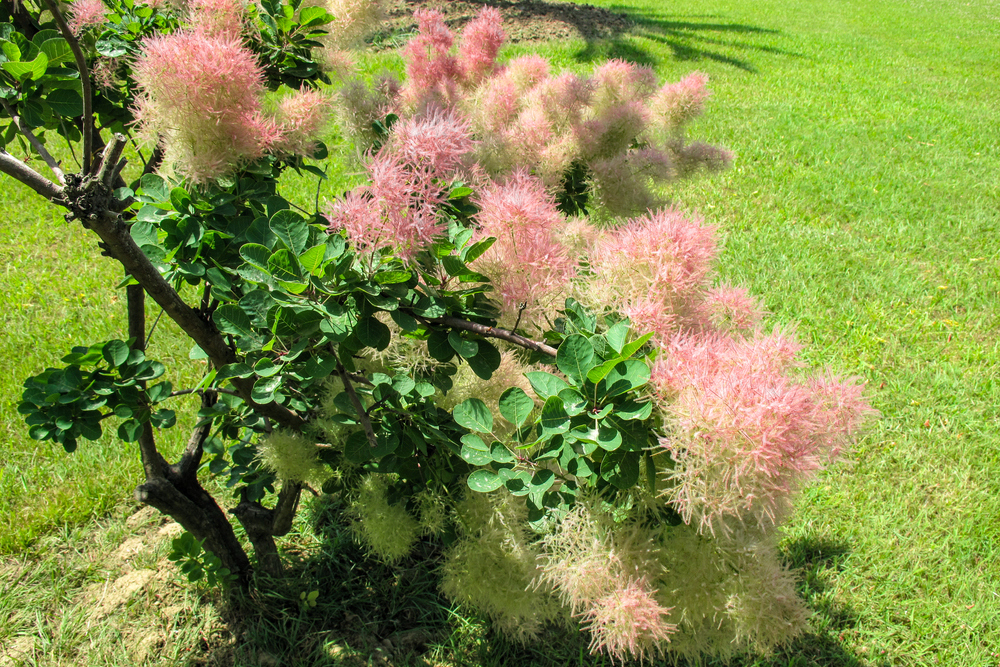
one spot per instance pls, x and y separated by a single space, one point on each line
174 489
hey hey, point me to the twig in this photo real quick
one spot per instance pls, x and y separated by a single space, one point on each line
81 65
150 165
520 312
36 144
108 168
191 458
16 169
356 402
360 379
153 328
218 390
489 332
69 144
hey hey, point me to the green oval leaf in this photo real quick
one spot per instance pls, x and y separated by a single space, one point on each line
501 454
155 187
542 480
291 228
616 336
30 70
465 348
473 252
608 438
635 345
473 414
553 418
484 481
392 277
575 356
486 361
232 320
625 376
439 347
630 409
285 268
545 384
621 469
256 255
115 352
311 260
475 451
264 388
57 50
516 406
111 46
66 102
372 333
573 401
519 483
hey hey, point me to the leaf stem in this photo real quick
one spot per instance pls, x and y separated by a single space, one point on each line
358 407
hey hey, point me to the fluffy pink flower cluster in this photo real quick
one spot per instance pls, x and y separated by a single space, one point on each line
223 18
528 267
603 572
745 435
409 177
201 96
84 14
626 130
628 622
655 269
435 76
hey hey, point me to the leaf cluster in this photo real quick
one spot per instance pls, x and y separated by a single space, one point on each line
100 381
593 427
197 563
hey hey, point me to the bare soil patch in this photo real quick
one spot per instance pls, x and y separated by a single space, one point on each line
523 20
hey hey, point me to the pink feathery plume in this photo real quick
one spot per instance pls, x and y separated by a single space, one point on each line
224 18
628 622
659 260
480 43
728 308
84 14
409 181
526 264
431 71
301 118
745 435
676 104
200 96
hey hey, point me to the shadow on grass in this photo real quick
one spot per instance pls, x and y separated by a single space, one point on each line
689 39
337 606
607 32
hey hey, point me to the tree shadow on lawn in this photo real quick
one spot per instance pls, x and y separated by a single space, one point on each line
689 38
338 606
606 31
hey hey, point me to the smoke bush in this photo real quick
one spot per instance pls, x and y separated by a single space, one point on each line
604 435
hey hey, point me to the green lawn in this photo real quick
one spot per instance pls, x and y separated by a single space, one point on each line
863 207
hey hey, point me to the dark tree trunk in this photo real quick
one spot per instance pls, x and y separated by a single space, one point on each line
174 489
